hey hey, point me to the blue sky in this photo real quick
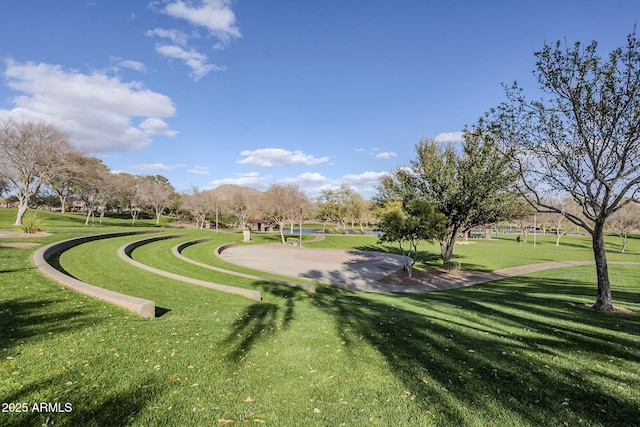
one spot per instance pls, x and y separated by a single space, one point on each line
252 92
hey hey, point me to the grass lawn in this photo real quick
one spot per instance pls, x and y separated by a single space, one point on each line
518 351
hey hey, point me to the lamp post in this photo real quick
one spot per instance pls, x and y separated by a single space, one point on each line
300 230
216 217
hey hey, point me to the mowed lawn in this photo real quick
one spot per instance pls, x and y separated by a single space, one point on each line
520 351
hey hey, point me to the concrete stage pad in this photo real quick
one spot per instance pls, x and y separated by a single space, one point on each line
351 269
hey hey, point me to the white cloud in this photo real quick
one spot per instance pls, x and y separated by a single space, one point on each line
199 170
368 178
267 157
155 126
311 182
449 137
176 36
193 59
131 64
386 155
252 179
96 109
307 180
215 16
152 167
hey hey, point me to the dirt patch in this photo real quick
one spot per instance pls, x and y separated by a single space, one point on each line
619 310
428 277
19 245
21 235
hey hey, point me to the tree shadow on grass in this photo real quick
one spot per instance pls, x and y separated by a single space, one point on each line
21 319
106 409
262 320
50 319
502 353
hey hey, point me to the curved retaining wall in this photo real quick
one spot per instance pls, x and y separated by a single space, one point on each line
143 307
125 253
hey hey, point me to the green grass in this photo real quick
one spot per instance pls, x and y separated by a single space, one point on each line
519 351
495 254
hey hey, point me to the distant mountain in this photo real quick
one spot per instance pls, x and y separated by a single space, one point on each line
226 191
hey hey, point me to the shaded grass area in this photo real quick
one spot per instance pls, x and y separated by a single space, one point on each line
518 351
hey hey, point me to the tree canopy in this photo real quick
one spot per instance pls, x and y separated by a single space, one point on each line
469 185
408 224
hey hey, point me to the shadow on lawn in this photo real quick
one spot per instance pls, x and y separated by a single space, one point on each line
500 352
44 319
21 319
103 409
261 320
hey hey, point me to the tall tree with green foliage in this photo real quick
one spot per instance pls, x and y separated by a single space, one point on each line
581 138
407 225
337 204
470 185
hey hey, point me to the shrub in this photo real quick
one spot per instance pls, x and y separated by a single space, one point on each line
452 266
31 223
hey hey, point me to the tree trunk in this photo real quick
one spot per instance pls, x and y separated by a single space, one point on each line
23 205
446 246
282 225
63 203
409 266
624 243
603 302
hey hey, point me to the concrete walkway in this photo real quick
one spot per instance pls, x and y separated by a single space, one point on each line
365 271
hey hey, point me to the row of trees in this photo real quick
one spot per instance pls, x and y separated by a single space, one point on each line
37 158
281 205
35 155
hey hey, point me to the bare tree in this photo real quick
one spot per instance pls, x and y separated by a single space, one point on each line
242 205
93 185
29 151
282 202
199 204
129 194
624 221
155 192
558 220
4 186
360 211
582 140
67 174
